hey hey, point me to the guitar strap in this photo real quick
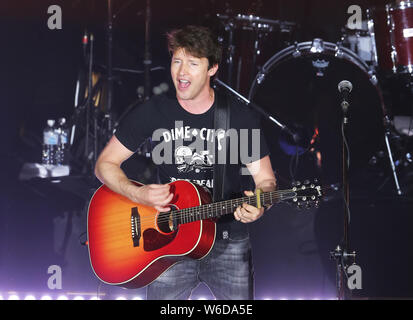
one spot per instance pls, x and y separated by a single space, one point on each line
221 121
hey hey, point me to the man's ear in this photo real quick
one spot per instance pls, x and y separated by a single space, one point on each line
213 70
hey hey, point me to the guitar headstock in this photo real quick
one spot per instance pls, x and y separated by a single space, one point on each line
307 194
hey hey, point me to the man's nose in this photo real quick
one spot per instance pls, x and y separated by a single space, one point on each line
183 69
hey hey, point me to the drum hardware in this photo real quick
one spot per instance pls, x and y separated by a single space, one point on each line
297 52
339 52
229 27
387 124
370 28
320 65
258 23
317 46
258 29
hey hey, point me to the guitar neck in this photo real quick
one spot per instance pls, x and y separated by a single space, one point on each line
218 209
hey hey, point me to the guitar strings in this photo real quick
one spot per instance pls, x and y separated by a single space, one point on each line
205 208
189 213
201 210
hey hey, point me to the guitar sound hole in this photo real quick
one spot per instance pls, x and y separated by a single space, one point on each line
167 221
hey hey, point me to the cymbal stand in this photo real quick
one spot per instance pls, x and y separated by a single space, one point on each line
257 108
229 27
387 133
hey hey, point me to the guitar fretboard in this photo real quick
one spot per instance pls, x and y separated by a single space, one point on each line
218 209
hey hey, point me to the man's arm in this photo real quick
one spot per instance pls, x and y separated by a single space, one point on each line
109 172
264 179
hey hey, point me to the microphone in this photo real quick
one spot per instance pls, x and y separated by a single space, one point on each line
345 87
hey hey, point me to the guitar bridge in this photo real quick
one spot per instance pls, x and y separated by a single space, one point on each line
136 226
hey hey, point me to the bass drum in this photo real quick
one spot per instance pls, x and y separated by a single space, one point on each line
298 87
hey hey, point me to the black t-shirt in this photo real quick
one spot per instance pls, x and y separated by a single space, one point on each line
183 143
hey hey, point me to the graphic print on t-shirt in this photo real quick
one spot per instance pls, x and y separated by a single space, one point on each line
187 153
188 159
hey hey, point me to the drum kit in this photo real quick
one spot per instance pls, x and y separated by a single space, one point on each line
298 84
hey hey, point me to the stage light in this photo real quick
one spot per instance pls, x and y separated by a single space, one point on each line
14 297
30 297
62 297
46 297
121 298
137 298
94 298
78 298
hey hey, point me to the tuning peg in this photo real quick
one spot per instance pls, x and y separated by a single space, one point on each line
296 183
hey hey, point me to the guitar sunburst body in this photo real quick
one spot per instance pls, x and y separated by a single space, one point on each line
130 244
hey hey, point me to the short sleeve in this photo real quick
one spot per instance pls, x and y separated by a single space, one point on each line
136 126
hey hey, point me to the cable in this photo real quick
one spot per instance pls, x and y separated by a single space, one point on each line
348 166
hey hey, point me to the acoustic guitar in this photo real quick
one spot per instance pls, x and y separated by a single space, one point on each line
131 244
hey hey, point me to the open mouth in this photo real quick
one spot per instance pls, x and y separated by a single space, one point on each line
183 84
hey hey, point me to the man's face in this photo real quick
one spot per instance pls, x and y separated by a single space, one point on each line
190 75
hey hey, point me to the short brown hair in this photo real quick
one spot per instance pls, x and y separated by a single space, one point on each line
198 41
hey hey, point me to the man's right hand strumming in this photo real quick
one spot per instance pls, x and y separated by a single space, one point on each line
108 171
153 195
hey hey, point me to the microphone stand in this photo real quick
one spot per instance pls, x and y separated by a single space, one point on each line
89 102
147 62
259 109
340 254
110 64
